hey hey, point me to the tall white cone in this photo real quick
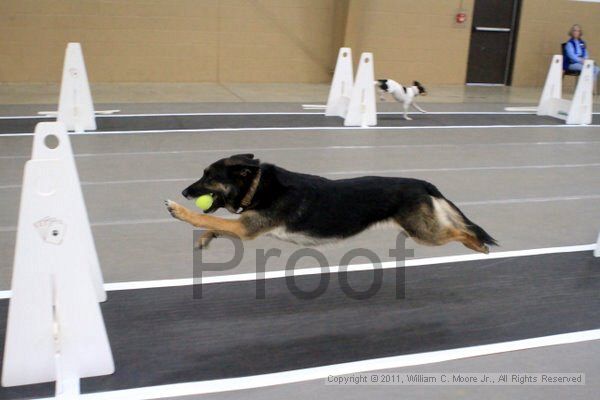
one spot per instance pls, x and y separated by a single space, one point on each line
75 108
55 329
341 85
362 110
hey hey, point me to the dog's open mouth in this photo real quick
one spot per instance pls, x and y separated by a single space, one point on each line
217 203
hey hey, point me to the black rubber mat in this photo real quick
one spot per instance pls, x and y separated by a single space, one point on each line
143 123
162 336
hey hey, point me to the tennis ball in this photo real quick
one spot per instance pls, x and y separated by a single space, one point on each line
204 202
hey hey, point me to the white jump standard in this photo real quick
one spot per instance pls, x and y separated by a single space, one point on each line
75 106
577 111
353 100
55 329
362 110
341 85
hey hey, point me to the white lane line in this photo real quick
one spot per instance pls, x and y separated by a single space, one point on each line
338 173
348 147
309 374
309 128
529 200
491 168
112 223
459 203
252 276
190 114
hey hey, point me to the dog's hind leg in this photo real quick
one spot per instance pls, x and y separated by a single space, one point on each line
415 105
470 241
436 224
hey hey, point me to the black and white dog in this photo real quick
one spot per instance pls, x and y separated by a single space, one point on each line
402 94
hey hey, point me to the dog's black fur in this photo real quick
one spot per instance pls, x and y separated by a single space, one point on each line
310 209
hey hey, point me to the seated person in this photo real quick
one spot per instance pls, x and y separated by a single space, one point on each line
575 51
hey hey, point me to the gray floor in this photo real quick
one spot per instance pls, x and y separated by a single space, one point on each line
229 333
529 187
302 120
282 106
579 357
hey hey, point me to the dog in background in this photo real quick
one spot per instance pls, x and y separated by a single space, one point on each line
402 94
311 210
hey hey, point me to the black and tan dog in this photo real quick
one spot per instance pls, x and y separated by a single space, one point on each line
310 210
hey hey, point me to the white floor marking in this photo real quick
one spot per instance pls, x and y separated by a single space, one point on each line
458 203
336 269
190 114
341 173
310 128
309 374
523 109
529 200
348 147
490 168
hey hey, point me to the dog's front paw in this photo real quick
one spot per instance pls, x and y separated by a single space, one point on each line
408 118
175 210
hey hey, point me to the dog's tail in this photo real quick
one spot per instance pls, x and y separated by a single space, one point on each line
450 212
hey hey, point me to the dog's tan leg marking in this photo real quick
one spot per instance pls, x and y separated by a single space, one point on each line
473 243
233 226
424 228
248 226
205 239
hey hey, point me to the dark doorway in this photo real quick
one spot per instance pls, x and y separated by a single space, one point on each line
492 41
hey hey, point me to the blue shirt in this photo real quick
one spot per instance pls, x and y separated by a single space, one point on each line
575 50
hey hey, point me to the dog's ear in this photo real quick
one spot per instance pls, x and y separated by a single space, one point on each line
245 170
420 87
242 156
383 84
243 164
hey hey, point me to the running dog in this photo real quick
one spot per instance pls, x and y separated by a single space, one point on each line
311 210
402 94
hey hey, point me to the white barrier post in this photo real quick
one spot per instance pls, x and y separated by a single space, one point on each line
341 85
577 111
55 329
580 112
75 107
597 249
552 86
362 110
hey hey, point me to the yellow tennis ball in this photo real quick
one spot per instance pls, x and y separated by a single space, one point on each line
204 202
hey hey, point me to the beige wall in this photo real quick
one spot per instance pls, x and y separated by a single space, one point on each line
231 40
544 25
169 40
412 39
269 40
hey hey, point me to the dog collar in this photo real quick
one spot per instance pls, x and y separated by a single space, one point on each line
250 193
